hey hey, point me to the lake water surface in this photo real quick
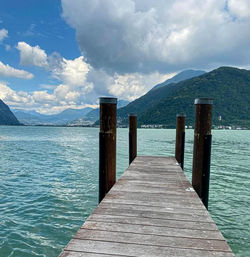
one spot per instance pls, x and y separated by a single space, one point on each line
49 182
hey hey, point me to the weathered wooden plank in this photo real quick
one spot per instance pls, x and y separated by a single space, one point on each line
151 197
153 177
68 253
155 209
154 240
136 212
143 189
139 250
153 230
162 183
144 202
169 172
161 194
154 222
170 169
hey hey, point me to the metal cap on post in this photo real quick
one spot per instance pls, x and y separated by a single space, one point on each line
202 147
107 145
132 137
180 139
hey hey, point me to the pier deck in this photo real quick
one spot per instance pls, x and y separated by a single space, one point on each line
151 211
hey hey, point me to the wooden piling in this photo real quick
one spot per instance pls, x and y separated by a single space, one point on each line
107 145
180 139
202 147
132 137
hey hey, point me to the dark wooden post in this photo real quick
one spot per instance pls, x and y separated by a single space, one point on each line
180 139
107 145
202 147
132 137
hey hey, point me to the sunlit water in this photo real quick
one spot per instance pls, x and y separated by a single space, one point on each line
49 177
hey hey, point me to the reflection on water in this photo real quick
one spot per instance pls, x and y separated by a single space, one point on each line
49 176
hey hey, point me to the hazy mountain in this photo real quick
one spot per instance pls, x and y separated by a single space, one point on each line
230 88
122 103
6 115
69 116
186 74
35 118
92 116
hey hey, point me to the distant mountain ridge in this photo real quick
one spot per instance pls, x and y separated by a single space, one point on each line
93 115
84 116
35 118
183 75
230 88
6 115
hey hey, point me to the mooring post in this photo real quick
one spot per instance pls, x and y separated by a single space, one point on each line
180 139
132 137
107 145
202 147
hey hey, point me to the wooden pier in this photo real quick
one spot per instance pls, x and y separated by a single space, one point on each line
152 210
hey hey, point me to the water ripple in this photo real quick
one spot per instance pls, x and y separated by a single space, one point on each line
49 177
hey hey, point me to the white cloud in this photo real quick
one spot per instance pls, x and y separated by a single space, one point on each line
73 75
134 85
8 71
239 8
32 55
127 36
73 92
80 83
72 72
127 87
42 101
3 34
43 97
14 98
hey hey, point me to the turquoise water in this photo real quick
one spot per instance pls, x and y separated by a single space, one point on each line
49 176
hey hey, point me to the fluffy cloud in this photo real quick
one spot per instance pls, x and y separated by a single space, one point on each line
132 86
42 101
74 90
3 34
43 97
13 98
71 72
127 86
74 77
32 55
79 83
240 8
147 35
8 71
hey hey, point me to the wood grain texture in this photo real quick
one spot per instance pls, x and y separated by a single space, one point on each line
151 211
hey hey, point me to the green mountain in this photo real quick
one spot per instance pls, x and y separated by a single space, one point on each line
6 116
229 87
147 101
186 74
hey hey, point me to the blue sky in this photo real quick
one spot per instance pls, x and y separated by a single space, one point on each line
65 54
36 23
